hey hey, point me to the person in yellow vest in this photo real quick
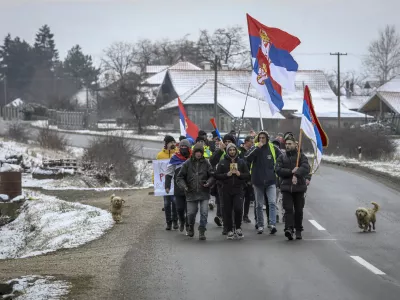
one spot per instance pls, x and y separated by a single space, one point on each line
171 215
262 158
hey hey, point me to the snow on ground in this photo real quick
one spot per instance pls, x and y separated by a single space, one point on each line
33 155
35 287
47 224
126 133
391 167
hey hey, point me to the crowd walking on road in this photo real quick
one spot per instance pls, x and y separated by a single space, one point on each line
231 174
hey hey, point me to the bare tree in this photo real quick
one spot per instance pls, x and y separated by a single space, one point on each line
227 44
351 76
123 67
383 58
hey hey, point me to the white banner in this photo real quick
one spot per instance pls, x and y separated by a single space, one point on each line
160 168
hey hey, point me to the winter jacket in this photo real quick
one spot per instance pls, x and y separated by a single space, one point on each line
172 172
284 166
166 154
262 162
233 183
193 174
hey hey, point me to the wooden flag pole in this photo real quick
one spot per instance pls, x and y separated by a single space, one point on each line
299 147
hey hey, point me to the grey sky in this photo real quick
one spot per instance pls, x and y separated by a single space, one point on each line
323 26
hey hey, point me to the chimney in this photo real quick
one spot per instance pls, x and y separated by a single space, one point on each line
207 66
351 88
224 67
347 89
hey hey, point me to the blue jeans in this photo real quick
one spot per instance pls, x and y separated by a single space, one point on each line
170 209
260 202
192 208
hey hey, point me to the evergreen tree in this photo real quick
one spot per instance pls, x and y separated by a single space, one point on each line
45 47
79 67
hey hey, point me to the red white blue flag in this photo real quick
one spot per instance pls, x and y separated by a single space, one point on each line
188 128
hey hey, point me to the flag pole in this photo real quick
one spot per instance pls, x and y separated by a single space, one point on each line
298 150
243 110
261 120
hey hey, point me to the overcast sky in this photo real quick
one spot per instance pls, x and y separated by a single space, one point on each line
323 26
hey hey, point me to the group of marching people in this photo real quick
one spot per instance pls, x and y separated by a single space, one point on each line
269 173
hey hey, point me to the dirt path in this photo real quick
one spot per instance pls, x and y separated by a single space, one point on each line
93 269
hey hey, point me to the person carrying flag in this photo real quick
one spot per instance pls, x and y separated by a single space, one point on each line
173 169
293 186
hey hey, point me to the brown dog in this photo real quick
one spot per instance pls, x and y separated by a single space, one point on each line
116 207
366 217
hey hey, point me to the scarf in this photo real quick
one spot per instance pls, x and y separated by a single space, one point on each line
178 158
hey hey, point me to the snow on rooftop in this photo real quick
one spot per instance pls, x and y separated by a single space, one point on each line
391 86
15 103
155 68
354 102
158 78
229 99
392 99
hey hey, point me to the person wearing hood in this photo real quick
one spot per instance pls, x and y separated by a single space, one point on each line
293 186
262 157
173 169
195 178
233 174
171 215
206 148
216 157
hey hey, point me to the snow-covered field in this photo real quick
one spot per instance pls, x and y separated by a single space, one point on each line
35 287
121 132
47 224
33 155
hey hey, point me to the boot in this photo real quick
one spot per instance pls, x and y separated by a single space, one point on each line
182 226
202 236
176 226
190 231
169 226
298 235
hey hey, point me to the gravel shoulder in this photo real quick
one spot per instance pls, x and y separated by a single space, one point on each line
94 268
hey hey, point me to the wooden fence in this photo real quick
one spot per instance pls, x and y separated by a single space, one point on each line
11 113
72 120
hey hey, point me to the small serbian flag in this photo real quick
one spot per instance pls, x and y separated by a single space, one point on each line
311 127
188 128
276 45
261 79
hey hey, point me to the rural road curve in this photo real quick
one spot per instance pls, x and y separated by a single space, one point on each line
334 261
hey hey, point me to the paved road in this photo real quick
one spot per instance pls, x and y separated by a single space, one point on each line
270 267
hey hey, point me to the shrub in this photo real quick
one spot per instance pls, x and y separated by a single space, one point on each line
51 139
108 155
17 131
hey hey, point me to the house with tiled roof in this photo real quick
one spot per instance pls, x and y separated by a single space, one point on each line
196 90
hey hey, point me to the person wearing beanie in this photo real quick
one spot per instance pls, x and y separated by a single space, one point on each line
293 186
171 215
262 157
195 178
173 169
233 174
217 156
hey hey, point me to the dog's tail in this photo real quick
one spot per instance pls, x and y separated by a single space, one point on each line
376 206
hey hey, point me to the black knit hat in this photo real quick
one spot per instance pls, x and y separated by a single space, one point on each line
168 139
214 134
200 139
182 137
201 133
229 137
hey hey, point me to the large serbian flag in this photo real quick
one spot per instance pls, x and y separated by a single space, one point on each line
276 45
312 128
188 128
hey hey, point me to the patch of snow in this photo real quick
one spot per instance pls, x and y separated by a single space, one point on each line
4 197
18 198
10 168
47 224
391 167
35 287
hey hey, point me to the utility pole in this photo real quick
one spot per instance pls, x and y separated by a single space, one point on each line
338 85
5 89
216 91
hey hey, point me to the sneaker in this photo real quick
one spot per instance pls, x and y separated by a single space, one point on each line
190 231
273 230
182 227
202 236
289 234
169 226
239 233
176 226
260 230
298 235
246 220
230 235
218 221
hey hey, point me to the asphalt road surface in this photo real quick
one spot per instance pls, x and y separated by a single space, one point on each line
333 261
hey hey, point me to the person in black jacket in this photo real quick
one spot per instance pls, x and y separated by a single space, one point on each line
195 178
233 173
173 168
293 186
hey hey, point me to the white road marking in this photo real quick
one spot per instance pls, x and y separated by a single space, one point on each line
366 264
315 223
320 239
